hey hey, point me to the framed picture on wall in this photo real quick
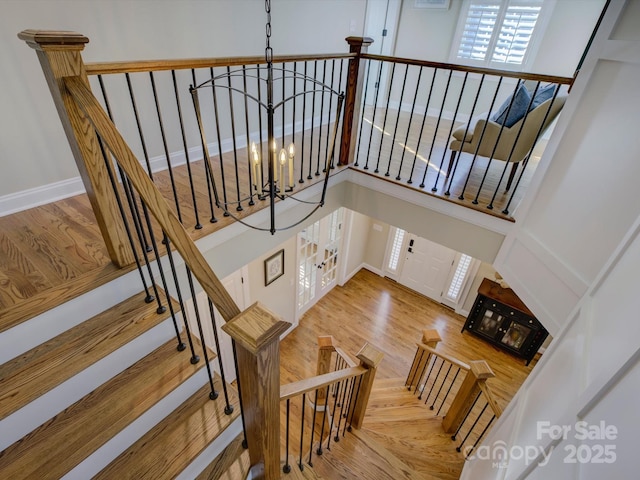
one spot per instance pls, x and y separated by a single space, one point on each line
273 267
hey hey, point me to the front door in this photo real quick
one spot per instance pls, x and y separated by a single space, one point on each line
426 267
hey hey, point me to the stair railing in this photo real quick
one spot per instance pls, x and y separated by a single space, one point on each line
336 400
458 390
98 146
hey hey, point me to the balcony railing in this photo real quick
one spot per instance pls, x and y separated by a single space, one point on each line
437 128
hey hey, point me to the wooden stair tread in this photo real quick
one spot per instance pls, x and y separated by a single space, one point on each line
360 456
42 368
61 443
232 463
391 421
169 447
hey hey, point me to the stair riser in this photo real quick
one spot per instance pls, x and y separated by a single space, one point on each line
39 329
32 415
123 440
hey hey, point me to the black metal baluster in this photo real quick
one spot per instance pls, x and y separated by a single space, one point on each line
146 246
324 76
342 415
339 132
304 120
495 147
525 162
114 185
453 122
246 129
313 428
480 437
513 148
354 399
233 139
459 447
426 379
293 108
324 419
413 107
304 404
326 148
453 437
313 120
448 390
333 412
194 357
395 130
435 380
452 172
363 114
475 155
444 380
287 468
435 132
348 405
228 409
373 117
198 226
206 158
384 122
424 119
220 158
414 366
165 146
213 394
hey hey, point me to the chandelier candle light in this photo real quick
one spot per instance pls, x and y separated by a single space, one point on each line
278 183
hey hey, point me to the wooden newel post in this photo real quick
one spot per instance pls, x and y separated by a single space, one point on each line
256 333
353 96
466 396
430 338
60 56
325 350
369 358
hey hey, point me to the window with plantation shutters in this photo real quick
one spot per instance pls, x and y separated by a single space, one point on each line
497 33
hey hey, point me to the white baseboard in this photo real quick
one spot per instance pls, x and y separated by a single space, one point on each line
375 270
33 197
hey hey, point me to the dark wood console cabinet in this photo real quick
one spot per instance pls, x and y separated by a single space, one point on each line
499 317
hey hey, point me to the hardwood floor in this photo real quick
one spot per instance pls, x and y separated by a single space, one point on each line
373 309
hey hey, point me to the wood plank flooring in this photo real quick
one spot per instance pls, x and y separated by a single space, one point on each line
373 309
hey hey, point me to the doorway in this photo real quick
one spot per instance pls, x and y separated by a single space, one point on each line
436 271
319 245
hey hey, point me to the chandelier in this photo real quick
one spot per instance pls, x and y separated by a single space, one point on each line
271 176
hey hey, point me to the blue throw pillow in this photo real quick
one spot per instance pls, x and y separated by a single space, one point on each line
518 109
543 94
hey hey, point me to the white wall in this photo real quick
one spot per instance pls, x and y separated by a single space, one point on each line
280 295
574 262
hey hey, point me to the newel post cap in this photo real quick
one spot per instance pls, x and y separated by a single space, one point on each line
256 327
41 39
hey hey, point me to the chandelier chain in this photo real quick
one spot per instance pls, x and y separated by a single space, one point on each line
268 52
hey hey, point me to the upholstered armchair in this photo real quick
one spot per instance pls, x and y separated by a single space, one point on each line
490 139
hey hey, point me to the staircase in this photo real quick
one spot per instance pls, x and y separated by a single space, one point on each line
109 396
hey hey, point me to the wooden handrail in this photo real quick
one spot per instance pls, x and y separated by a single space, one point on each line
105 68
491 400
294 389
471 69
444 356
345 357
152 197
